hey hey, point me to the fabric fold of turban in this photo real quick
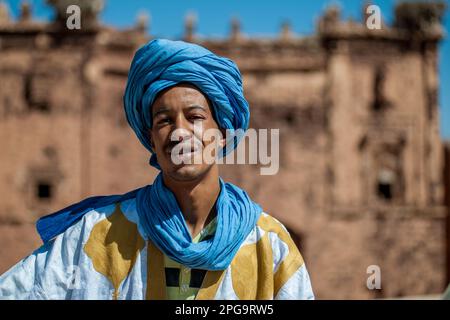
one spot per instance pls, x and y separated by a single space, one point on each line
161 64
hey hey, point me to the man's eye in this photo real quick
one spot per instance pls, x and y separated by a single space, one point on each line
197 117
163 121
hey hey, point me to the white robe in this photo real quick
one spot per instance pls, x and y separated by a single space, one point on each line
106 256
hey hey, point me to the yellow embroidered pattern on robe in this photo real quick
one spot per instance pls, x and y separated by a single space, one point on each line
156 281
113 246
210 285
294 259
252 271
252 267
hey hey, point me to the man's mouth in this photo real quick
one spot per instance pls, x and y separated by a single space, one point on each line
184 151
185 147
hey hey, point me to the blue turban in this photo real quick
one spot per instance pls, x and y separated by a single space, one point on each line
161 64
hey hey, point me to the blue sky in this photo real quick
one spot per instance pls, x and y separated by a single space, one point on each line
258 18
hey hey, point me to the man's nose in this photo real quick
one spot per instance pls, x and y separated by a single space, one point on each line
182 129
181 122
180 134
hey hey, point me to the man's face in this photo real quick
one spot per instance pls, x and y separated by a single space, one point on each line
177 145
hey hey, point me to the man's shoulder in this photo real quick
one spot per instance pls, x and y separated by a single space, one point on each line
269 228
92 208
277 234
110 215
269 223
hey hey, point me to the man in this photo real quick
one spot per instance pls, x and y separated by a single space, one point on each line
189 235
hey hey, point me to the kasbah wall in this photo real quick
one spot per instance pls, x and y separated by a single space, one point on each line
362 178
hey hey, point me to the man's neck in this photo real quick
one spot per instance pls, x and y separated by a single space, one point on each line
196 199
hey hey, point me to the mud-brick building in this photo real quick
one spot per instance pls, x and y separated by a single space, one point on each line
361 177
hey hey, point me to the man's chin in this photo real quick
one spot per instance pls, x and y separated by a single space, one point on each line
188 172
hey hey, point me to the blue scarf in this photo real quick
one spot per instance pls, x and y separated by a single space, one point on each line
164 223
